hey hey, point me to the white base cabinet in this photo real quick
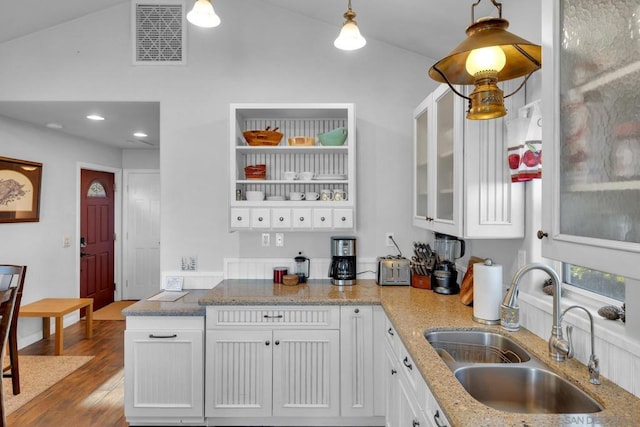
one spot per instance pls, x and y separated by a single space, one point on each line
409 402
164 370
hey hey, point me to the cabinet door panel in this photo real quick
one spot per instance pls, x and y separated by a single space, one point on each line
164 373
306 373
238 373
356 342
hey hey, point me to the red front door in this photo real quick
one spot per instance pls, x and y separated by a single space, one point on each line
97 237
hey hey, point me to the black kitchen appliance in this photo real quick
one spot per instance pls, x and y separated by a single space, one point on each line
445 275
342 269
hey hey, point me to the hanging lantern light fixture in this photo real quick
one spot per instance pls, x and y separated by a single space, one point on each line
350 37
490 54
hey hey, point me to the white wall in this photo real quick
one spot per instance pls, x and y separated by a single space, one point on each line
140 159
52 269
294 61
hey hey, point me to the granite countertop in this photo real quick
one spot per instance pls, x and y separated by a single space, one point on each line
413 311
186 306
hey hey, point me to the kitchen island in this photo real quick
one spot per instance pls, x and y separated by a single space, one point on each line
412 311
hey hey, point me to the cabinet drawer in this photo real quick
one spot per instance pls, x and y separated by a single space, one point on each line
240 218
281 218
321 317
260 218
343 218
322 218
301 218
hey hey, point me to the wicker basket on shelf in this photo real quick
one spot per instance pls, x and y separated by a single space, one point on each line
263 137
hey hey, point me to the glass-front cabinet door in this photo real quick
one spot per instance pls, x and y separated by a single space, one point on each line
591 122
444 115
438 148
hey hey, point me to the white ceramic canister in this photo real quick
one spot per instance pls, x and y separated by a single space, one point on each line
487 292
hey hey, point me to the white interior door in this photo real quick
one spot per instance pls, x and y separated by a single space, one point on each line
141 234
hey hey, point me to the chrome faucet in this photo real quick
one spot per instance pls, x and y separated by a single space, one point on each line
594 364
559 348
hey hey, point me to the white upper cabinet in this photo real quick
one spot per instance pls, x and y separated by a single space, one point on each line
591 134
329 192
462 184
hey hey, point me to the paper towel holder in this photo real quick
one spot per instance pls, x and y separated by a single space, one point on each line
479 304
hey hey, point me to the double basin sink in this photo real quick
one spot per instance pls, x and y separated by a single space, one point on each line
501 374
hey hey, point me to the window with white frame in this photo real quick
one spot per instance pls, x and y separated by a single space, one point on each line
606 284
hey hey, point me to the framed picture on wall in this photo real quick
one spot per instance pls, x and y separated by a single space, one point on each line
19 190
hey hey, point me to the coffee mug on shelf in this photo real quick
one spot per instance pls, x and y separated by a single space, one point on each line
296 195
311 195
339 195
307 176
254 196
290 175
326 194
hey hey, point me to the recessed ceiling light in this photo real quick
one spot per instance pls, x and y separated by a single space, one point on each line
54 125
140 135
95 117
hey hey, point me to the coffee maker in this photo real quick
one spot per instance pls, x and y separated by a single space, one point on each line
445 275
342 269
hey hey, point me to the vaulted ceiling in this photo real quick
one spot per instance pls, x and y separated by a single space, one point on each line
430 28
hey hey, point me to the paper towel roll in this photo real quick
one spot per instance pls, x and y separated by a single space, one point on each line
487 293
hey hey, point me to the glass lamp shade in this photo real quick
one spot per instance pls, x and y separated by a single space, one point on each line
485 59
203 15
349 37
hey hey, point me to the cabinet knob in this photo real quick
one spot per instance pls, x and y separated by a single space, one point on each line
436 418
301 219
541 234
260 219
281 219
239 218
393 372
428 218
416 423
390 332
277 342
322 218
357 310
407 364
267 342
343 219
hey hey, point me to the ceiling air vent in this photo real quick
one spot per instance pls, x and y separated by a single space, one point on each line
158 32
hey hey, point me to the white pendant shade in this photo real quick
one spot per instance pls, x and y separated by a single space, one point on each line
203 15
350 37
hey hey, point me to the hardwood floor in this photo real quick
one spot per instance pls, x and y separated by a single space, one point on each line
92 395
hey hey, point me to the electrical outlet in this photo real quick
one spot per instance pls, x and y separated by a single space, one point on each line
388 239
279 239
522 258
266 239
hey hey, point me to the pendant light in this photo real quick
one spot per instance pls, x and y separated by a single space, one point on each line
203 15
490 54
349 37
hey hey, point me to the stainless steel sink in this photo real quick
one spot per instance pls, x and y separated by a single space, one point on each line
501 374
476 346
524 389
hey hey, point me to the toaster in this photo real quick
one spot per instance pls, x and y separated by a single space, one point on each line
393 271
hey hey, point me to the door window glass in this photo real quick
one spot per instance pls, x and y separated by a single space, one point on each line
96 189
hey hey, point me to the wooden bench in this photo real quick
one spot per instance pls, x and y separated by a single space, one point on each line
58 307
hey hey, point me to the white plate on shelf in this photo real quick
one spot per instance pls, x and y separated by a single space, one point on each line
329 177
